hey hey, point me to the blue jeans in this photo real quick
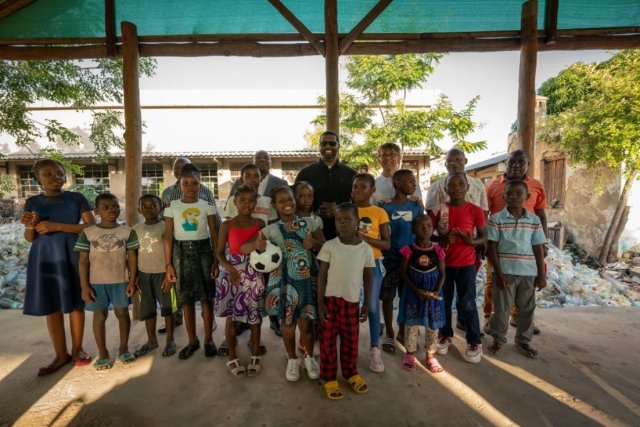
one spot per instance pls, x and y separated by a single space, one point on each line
463 281
374 304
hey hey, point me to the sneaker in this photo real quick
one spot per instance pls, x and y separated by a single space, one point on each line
375 362
312 368
293 370
473 353
442 347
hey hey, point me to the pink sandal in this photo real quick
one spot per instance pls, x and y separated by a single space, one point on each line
409 362
434 366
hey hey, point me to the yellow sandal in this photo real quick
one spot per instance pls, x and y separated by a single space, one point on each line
332 390
358 384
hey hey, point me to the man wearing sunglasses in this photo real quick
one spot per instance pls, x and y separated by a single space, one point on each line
331 181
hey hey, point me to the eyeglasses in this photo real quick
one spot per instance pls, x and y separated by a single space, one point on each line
331 143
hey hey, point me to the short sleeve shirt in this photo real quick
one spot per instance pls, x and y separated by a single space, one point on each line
263 210
400 217
190 219
314 222
151 249
495 190
371 218
107 248
346 266
467 218
385 190
476 194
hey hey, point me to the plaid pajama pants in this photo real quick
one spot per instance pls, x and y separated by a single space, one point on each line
343 322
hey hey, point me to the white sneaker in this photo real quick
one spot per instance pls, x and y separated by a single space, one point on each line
293 370
473 353
312 367
442 347
375 362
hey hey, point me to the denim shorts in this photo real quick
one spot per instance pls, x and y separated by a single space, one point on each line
114 294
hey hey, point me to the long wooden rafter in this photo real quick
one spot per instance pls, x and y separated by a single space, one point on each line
8 7
363 24
298 25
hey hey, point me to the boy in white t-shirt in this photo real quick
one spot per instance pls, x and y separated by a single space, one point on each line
345 262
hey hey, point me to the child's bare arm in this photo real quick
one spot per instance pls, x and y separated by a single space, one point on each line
88 295
234 275
319 236
492 253
367 277
541 278
170 273
257 243
322 286
132 263
404 265
440 284
213 233
384 242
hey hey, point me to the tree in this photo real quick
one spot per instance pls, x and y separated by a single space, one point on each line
594 113
385 81
78 84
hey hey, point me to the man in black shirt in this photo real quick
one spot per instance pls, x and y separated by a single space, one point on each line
331 181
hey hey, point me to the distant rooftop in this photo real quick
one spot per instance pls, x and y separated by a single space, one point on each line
486 163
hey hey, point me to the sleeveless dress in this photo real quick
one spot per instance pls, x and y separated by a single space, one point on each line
423 272
53 281
241 302
291 294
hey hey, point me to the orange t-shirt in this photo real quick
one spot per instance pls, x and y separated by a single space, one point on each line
495 190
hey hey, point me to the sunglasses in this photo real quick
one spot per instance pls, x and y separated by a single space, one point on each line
331 143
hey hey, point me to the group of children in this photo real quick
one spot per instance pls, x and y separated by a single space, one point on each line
325 289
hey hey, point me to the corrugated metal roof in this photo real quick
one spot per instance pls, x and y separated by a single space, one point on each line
488 162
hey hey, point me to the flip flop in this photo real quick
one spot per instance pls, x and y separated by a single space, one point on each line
145 349
169 349
388 345
332 390
127 358
50 369
528 350
103 364
358 384
409 362
83 361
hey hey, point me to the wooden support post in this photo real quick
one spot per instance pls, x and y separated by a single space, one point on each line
527 80
110 27
132 120
331 64
551 20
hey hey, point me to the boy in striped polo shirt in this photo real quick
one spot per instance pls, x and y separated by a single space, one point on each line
516 253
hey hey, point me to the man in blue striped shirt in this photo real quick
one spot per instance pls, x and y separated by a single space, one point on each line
516 253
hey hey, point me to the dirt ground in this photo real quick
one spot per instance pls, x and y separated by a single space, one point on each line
587 375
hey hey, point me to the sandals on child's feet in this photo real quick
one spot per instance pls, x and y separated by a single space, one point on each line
332 390
434 366
263 348
253 368
169 349
144 350
358 384
528 350
127 358
103 364
236 369
409 362
495 347
388 345
223 350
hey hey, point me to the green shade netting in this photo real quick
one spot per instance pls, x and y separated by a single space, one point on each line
85 18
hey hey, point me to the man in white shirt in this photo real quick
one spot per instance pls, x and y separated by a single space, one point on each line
268 181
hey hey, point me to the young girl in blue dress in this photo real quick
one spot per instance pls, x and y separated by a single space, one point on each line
422 270
52 223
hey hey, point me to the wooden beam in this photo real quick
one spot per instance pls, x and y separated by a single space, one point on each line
228 49
298 25
132 120
551 20
331 65
527 80
435 45
110 26
363 24
51 53
9 7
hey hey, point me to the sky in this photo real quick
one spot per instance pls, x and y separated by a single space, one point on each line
296 81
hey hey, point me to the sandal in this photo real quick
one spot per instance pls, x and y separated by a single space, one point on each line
253 368
169 349
48 370
236 369
145 349
495 347
126 358
223 350
409 362
263 348
103 364
358 384
388 345
188 351
528 350
332 390
434 366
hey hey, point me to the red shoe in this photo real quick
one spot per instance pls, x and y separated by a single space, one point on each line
48 370
83 361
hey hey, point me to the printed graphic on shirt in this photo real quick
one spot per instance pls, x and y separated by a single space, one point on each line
404 215
190 217
146 242
424 261
107 243
365 225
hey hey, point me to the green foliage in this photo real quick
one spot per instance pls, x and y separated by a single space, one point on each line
385 81
595 112
88 191
6 185
76 84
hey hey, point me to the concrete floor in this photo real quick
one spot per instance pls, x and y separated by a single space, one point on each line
587 375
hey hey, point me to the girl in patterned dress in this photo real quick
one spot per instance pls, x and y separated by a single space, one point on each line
239 288
422 270
290 293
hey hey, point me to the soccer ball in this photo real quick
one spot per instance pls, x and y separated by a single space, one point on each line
268 260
